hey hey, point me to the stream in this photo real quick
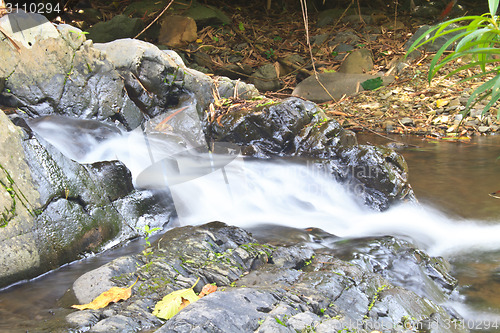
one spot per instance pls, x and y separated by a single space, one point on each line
457 218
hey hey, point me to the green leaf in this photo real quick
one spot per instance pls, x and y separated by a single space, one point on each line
493 4
372 84
174 302
241 26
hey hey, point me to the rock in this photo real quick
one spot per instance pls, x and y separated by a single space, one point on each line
338 84
264 299
437 44
59 208
93 283
265 78
177 31
143 8
27 28
329 16
299 133
232 70
319 39
207 15
483 129
53 77
358 62
230 311
120 26
406 121
228 88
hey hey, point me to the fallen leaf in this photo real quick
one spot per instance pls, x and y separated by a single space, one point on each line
441 102
114 294
174 302
207 289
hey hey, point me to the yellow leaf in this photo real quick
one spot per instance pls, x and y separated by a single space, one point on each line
114 294
441 102
174 302
199 41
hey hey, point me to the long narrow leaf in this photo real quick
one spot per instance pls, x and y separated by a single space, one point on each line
438 54
493 4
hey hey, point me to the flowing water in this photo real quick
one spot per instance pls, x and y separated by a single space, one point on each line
457 218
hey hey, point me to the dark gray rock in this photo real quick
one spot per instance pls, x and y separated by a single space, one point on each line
265 78
120 26
64 209
263 297
207 15
434 46
235 310
295 127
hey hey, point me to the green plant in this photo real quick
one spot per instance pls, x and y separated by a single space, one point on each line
269 54
478 40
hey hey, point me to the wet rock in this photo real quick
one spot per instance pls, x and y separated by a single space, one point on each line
337 84
177 31
62 208
120 26
297 128
358 62
266 298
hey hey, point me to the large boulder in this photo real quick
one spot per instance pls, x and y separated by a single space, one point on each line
58 71
262 288
54 209
294 127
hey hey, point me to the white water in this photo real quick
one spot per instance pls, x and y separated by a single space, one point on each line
248 192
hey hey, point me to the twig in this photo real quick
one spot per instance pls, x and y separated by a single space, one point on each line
303 6
156 18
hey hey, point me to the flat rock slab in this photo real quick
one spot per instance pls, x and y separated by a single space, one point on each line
337 84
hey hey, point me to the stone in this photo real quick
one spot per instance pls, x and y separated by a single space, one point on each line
358 62
437 44
483 129
265 78
406 121
319 39
207 15
328 294
259 135
120 26
177 31
338 85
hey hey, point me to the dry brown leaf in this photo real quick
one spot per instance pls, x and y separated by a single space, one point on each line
114 294
207 289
